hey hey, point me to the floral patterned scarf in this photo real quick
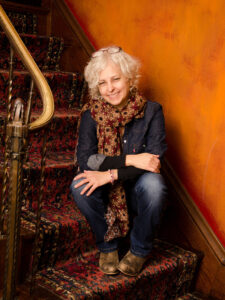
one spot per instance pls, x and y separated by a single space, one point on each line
111 123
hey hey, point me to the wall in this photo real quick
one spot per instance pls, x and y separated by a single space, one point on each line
181 45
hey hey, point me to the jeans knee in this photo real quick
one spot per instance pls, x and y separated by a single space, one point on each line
87 203
78 198
152 189
74 190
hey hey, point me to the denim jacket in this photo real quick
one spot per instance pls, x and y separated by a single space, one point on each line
140 135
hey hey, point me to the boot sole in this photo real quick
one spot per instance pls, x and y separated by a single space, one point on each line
109 273
125 273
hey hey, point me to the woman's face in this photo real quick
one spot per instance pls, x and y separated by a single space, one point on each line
113 85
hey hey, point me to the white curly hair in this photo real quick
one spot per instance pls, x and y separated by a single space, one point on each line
128 64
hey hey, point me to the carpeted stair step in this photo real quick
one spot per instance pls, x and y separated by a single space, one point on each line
24 22
168 274
45 50
59 173
61 136
65 234
63 123
66 87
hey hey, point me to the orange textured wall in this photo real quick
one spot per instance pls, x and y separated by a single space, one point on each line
181 45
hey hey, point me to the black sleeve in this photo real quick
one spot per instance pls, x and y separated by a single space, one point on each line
129 173
113 162
118 162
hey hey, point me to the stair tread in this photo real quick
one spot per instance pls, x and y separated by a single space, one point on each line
56 216
82 278
53 160
59 113
32 35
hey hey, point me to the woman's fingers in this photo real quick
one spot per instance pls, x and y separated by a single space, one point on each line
88 179
82 182
154 164
81 175
86 188
146 161
91 190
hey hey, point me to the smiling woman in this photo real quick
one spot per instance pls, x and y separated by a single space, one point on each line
119 169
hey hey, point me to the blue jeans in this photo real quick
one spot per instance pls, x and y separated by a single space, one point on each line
146 197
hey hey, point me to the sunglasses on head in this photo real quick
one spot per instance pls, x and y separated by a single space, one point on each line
110 50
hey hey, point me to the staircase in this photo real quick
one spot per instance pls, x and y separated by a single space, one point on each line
67 256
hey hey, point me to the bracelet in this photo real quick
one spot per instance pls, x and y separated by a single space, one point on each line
111 177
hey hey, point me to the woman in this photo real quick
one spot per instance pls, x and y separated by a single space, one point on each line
120 145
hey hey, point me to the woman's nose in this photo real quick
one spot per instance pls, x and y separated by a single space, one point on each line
110 87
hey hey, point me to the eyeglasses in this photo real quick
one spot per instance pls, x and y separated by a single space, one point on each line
110 50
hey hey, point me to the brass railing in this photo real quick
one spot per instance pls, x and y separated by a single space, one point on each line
17 130
38 77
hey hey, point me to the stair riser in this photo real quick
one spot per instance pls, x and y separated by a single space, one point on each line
23 22
63 237
66 89
56 187
46 51
68 243
66 126
57 180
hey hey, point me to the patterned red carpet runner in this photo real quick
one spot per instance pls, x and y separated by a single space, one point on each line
167 274
68 259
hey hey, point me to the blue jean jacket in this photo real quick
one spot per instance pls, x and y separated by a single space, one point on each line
141 135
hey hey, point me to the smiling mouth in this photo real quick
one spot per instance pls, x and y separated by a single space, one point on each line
113 95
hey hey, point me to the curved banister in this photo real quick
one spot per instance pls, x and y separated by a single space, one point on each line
36 74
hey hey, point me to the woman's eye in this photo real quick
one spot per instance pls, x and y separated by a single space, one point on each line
117 78
101 83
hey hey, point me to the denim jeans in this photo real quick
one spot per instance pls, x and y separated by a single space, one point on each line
146 197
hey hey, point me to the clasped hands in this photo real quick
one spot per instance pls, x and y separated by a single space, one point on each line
95 179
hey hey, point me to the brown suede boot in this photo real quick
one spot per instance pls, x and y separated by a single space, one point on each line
131 264
108 262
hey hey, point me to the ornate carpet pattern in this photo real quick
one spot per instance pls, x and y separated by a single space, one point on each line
67 256
24 22
162 278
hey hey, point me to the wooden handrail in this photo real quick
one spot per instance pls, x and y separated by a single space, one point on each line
36 74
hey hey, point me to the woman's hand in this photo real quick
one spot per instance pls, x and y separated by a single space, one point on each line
93 179
145 161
